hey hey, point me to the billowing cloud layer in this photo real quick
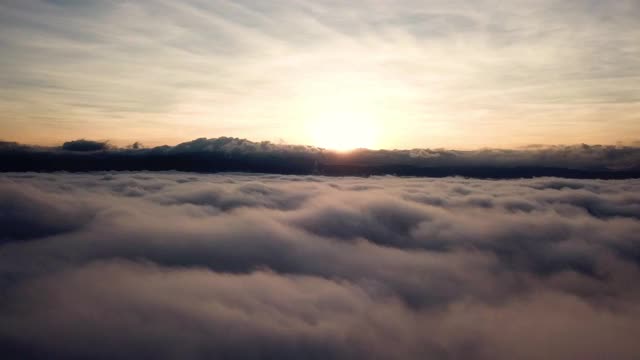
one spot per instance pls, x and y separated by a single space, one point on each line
233 154
177 265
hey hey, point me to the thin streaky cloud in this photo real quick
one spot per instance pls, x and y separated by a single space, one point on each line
429 70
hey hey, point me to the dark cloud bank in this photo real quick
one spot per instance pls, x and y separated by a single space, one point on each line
170 265
231 154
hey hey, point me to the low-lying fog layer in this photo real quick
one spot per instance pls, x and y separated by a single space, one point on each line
176 265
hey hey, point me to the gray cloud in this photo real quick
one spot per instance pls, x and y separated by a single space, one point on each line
178 265
85 145
28 212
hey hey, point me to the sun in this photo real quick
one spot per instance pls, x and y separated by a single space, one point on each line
344 130
342 109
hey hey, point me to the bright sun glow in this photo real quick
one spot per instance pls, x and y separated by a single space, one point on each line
344 130
342 110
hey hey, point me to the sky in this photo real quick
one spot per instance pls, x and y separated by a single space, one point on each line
337 74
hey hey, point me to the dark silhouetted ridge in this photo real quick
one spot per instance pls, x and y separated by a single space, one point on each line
239 155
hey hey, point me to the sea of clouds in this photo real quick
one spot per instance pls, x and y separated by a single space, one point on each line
236 266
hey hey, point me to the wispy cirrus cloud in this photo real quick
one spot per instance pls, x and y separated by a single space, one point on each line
428 71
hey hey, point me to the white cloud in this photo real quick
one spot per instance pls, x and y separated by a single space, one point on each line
172 265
